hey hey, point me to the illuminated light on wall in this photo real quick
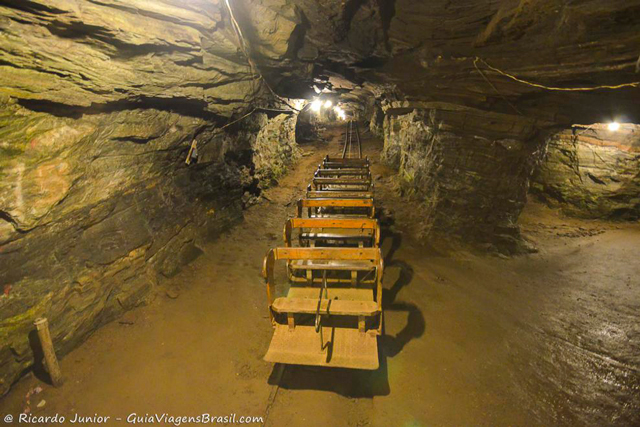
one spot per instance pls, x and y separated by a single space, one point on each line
328 104
613 126
340 113
315 105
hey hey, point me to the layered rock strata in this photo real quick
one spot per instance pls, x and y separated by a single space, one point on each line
100 102
470 179
592 172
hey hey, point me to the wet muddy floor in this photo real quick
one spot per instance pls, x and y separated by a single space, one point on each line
550 338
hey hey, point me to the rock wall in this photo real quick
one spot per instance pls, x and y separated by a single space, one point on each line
376 124
467 184
94 212
592 173
275 149
99 104
76 53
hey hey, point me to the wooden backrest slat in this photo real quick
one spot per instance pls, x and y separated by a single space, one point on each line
346 160
342 172
367 254
339 223
333 202
356 223
351 194
333 165
313 205
342 179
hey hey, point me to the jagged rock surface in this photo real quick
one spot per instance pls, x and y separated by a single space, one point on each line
94 211
506 60
470 181
99 103
275 149
426 51
592 173
76 53
376 123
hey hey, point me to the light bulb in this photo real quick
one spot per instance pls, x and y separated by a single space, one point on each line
328 104
613 126
315 105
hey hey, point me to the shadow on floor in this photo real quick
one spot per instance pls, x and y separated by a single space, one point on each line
360 383
38 368
345 382
389 345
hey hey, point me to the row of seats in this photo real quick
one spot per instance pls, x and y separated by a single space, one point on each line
330 310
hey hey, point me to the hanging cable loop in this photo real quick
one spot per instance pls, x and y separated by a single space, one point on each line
567 89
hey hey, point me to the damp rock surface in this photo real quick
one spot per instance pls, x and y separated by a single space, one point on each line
592 173
94 212
63 54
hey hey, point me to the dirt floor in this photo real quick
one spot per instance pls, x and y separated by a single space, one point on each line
551 338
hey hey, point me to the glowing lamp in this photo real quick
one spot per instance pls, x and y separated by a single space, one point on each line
328 104
614 126
315 105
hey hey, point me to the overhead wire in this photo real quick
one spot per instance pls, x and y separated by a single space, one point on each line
254 72
541 86
475 64
254 69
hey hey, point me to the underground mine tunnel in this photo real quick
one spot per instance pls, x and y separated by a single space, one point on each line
305 212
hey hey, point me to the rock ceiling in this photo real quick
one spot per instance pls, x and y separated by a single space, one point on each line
445 50
70 52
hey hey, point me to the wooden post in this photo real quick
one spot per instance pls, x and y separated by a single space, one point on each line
42 324
193 148
291 321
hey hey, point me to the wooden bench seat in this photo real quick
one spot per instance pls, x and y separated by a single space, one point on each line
356 206
364 230
341 265
333 292
367 262
327 306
